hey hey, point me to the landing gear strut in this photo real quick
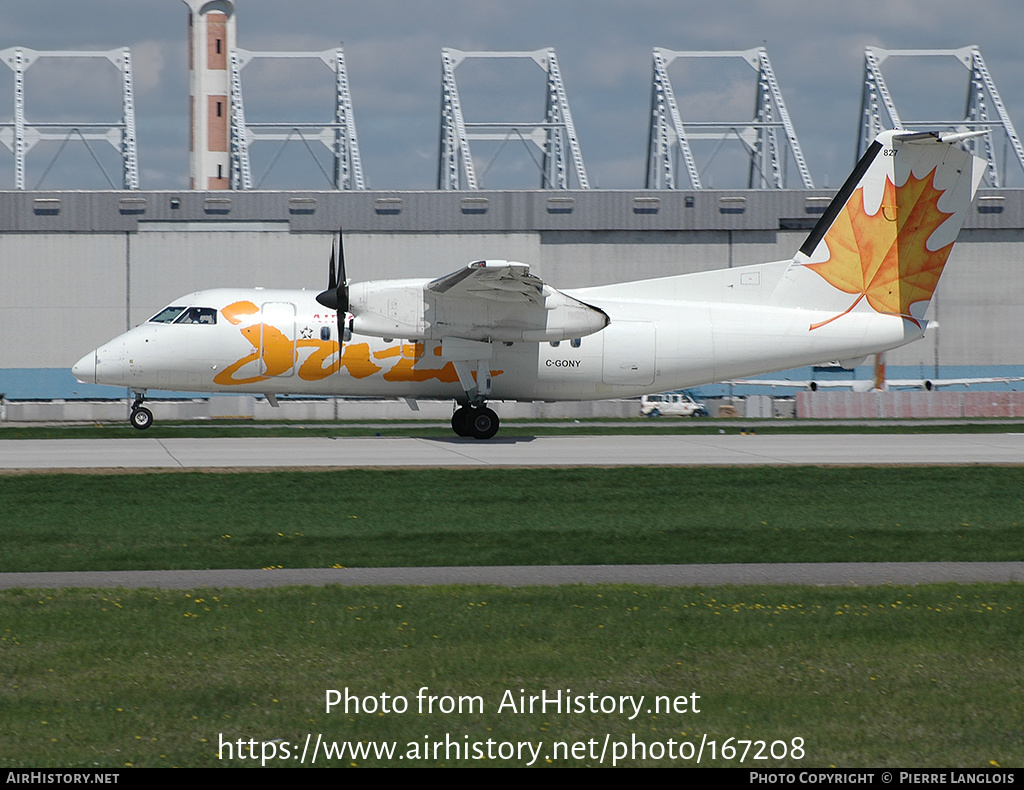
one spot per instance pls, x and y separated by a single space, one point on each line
476 421
141 417
471 360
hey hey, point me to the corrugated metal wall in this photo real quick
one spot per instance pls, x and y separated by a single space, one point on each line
908 405
76 268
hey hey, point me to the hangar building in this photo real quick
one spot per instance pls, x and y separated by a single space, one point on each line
77 268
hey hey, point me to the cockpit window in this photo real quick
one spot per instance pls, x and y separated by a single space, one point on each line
167 315
198 315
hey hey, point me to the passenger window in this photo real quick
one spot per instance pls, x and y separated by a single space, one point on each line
575 342
198 315
325 333
167 315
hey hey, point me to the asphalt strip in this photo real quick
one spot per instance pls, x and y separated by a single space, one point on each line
828 574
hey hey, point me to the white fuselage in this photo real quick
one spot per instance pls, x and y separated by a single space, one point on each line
860 284
284 342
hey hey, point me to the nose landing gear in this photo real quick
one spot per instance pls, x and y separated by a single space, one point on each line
141 417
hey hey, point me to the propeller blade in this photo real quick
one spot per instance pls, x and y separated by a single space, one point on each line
342 285
332 277
329 298
336 295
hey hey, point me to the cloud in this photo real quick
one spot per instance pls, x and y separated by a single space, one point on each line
393 49
148 62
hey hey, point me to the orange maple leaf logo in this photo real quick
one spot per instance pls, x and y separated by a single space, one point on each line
883 257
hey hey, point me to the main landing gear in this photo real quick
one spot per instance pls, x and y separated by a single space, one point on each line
476 421
471 360
141 417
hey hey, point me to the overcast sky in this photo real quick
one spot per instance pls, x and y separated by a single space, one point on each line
604 49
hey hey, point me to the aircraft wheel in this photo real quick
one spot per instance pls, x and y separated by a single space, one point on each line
460 421
483 423
141 418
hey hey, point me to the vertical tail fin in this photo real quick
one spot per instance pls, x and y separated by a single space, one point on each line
886 236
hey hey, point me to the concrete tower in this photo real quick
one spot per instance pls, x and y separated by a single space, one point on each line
211 41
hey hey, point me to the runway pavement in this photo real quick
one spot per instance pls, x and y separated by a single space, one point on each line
677 450
819 574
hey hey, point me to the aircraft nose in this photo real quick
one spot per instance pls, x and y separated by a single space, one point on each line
85 369
104 365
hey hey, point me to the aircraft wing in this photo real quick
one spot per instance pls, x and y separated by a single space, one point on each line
501 300
866 385
929 384
499 281
856 385
484 301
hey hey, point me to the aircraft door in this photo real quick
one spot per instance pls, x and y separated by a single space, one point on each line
112 363
629 352
277 339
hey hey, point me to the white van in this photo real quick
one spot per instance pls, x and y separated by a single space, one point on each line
679 404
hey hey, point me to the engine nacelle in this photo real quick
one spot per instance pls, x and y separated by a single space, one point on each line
409 310
388 308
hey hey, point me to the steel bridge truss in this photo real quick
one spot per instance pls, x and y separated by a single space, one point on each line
985 110
338 137
555 136
765 138
20 136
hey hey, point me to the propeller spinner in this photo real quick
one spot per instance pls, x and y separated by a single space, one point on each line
336 295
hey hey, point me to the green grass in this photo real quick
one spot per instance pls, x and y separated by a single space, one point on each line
925 676
375 518
900 677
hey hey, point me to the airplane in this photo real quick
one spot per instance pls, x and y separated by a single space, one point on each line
878 383
859 284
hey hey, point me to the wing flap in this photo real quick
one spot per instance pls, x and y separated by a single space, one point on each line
500 281
501 300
